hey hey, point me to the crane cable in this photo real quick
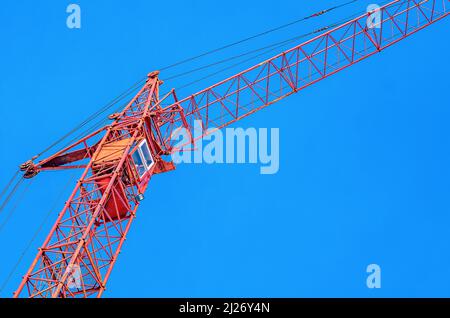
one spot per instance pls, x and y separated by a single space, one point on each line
35 235
93 116
137 84
100 123
13 209
12 192
270 48
11 195
261 34
132 88
10 182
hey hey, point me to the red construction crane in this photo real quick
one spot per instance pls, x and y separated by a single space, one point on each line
120 159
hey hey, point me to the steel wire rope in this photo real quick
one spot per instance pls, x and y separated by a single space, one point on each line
277 45
36 233
13 209
138 83
271 48
261 34
8 185
11 194
141 81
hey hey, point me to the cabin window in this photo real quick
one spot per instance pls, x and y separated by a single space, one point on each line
142 158
146 154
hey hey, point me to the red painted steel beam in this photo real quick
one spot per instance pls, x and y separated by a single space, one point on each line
301 66
85 234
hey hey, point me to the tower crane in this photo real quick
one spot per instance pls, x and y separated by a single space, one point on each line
119 159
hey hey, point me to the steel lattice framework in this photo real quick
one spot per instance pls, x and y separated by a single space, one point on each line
91 228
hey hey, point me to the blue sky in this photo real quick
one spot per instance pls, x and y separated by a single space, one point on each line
363 155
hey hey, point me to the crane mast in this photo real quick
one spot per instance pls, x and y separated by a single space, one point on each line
78 255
